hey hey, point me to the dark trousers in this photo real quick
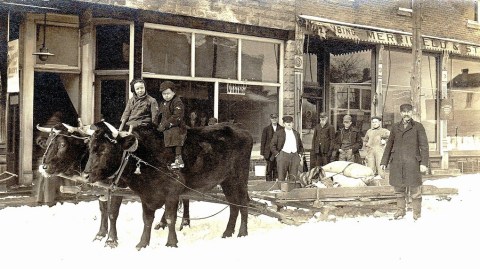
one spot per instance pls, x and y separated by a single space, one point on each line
271 170
287 164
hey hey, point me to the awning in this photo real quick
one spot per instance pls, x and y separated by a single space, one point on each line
326 28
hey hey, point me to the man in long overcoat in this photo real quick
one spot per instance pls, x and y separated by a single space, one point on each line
267 134
407 153
322 142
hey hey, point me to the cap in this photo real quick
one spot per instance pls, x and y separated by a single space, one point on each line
167 85
377 117
287 119
323 115
274 116
406 107
212 121
347 118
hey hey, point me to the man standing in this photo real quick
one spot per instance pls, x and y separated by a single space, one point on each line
287 148
375 140
267 134
407 153
348 142
322 142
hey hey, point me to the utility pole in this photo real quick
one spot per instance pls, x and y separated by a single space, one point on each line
417 43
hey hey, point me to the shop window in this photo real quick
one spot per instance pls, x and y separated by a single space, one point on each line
62 41
216 57
112 47
463 133
397 90
249 105
260 61
166 52
350 88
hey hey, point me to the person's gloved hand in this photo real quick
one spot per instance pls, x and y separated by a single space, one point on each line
161 128
423 168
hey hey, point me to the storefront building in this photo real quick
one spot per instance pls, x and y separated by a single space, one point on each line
239 61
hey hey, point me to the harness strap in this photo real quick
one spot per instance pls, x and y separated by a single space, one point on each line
116 176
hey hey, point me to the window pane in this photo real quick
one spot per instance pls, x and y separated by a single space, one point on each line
61 41
260 61
166 52
196 96
397 67
251 109
463 133
112 46
216 57
366 99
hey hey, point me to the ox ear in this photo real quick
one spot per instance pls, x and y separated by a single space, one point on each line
129 143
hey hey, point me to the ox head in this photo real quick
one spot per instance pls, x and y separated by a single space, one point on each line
65 148
107 145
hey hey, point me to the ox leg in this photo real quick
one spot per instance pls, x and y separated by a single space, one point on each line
186 214
162 224
171 208
115 203
230 195
102 232
148 216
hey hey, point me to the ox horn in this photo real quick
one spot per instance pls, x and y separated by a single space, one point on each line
112 129
44 129
70 129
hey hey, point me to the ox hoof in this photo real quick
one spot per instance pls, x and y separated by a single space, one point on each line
172 245
184 223
98 237
242 234
227 235
111 243
140 246
160 225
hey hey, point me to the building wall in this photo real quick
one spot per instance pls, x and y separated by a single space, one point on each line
441 18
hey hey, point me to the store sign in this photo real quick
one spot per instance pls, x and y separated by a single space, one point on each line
238 89
13 77
325 30
446 109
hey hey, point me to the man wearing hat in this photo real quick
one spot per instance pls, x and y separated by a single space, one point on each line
287 148
375 140
322 142
267 134
407 154
348 142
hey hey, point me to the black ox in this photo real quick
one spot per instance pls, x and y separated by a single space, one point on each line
66 155
214 155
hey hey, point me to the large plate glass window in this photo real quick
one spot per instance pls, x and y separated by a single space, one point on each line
249 105
260 61
216 57
166 52
463 130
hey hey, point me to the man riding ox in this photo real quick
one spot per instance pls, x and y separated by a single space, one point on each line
214 155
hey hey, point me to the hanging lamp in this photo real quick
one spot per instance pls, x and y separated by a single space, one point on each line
43 53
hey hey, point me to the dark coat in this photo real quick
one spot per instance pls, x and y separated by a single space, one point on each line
267 135
171 122
322 142
278 140
355 137
140 110
405 151
323 138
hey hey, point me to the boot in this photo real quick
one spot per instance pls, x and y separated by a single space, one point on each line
178 163
401 205
417 208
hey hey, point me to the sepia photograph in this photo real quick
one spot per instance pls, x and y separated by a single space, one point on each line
239 133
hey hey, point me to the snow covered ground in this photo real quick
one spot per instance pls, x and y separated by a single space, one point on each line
61 237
